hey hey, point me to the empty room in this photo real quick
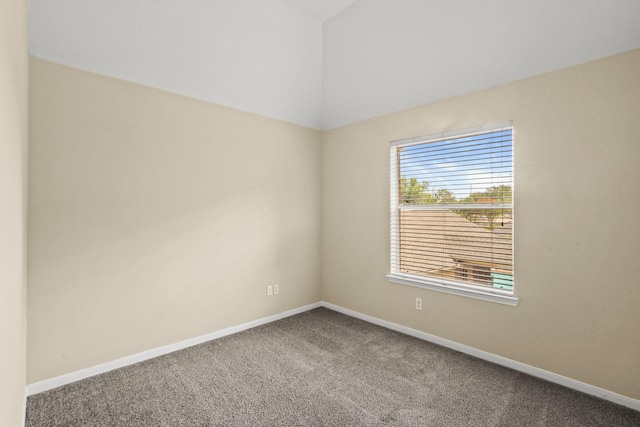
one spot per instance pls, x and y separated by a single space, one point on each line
319 212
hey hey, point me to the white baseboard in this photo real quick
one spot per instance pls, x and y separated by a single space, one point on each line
490 357
52 383
494 358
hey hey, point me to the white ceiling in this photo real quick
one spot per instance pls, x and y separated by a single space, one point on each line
327 63
322 9
382 56
261 56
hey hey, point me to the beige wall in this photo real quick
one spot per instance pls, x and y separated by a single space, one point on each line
14 79
155 218
576 227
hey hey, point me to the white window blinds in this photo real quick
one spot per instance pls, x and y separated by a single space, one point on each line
452 210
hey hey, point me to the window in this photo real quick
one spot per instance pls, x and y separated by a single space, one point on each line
452 212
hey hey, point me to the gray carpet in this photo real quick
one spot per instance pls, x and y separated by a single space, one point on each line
319 368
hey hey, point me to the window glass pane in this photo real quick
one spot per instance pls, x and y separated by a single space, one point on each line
470 169
452 209
440 243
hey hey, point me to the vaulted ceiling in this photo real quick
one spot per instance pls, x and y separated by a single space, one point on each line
321 9
326 63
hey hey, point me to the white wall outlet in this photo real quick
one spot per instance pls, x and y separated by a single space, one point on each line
418 303
269 290
276 289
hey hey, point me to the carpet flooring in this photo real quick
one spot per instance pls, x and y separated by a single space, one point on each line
319 368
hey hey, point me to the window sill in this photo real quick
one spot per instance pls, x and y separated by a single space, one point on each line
454 288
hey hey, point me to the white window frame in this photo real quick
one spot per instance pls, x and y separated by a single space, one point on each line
432 283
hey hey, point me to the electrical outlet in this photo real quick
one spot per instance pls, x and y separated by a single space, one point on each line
269 290
418 303
276 289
